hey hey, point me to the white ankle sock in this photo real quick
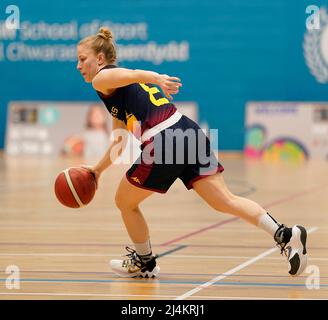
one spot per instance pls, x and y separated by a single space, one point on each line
268 224
143 249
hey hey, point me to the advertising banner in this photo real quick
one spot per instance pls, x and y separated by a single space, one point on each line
67 129
286 131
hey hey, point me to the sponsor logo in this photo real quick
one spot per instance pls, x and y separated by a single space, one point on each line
136 179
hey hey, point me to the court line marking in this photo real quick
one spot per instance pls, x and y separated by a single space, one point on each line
278 202
295 195
178 256
109 245
234 257
165 282
171 251
270 204
232 271
190 234
71 254
83 294
110 273
143 295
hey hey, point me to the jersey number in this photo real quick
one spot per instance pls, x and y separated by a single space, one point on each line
152 91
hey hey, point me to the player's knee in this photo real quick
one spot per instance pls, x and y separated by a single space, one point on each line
119 201
122 203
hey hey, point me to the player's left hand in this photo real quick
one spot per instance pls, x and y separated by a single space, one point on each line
169 85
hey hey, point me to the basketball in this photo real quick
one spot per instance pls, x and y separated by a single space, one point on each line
75 187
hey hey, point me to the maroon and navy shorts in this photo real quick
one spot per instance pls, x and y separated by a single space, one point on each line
181 151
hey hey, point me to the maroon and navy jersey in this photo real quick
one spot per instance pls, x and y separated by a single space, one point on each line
140 106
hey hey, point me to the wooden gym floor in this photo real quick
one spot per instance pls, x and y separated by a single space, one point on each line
63 253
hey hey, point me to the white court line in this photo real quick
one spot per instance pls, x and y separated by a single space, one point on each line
231 271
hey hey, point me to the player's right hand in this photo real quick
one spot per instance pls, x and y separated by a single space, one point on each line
96 173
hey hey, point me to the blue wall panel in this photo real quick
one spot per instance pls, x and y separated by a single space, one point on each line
238 51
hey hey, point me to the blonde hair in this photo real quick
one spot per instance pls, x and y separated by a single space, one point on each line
103 42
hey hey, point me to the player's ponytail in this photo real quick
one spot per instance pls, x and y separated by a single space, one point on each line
103 42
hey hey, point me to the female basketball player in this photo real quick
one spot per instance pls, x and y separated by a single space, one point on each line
136 104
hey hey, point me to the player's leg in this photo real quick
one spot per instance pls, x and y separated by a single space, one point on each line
215 192
292 240
143 178
139 262
127 199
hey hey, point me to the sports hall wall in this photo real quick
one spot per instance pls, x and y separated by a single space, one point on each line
227 53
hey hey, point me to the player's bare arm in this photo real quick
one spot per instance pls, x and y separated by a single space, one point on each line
109 79
119 143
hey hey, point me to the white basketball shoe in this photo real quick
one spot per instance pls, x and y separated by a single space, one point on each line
135 266
292 242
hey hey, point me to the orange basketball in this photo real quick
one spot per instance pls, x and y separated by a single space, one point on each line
75 187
